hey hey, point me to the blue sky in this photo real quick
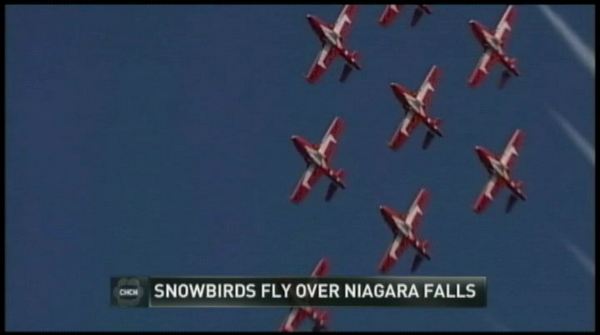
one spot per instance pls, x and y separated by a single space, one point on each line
154 140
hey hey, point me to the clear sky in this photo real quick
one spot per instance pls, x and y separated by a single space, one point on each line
155 140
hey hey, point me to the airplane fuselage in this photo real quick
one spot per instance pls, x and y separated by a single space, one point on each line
328 36
492 164
314 157
402 227
309 153
412 104
495 167
490 42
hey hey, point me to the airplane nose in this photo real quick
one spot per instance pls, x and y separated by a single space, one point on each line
471 21
480 151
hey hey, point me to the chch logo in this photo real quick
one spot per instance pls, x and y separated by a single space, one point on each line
128 292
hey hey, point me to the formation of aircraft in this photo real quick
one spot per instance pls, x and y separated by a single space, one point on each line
404 228
391 11
318 162
299 314
415 107
494 48
499 169
332 38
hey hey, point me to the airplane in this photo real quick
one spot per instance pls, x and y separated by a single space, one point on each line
318 159
499 170
298 314
415 107
391 11
332 44
494 44
405 228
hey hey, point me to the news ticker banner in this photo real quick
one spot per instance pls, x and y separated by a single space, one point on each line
298 291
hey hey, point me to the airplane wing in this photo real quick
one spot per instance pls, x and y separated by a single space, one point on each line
331 137
389 14
426 90
487 195
511 152
415 213
321 63
505 25
294 319
485 64
321 269
394 252
308 180
403 132
344 21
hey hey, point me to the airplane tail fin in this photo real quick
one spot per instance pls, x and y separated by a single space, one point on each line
435 124
423 253
416 263
425 248
428 138
354 57
351 64
517 188
511 64
334 185
512 199
417 16
320 318
345 72
338 177
504 79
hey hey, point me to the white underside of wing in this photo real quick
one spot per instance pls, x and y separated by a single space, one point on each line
395 245
484 60
307 175
323 55
489 186
405 123
341 21
291 318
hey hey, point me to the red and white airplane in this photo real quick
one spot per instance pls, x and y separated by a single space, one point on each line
391 11
499 171
494 48
332 44
415 108
405 228
298 314
318 162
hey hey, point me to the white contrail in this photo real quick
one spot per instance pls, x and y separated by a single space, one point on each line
587 263
585 54
586 148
